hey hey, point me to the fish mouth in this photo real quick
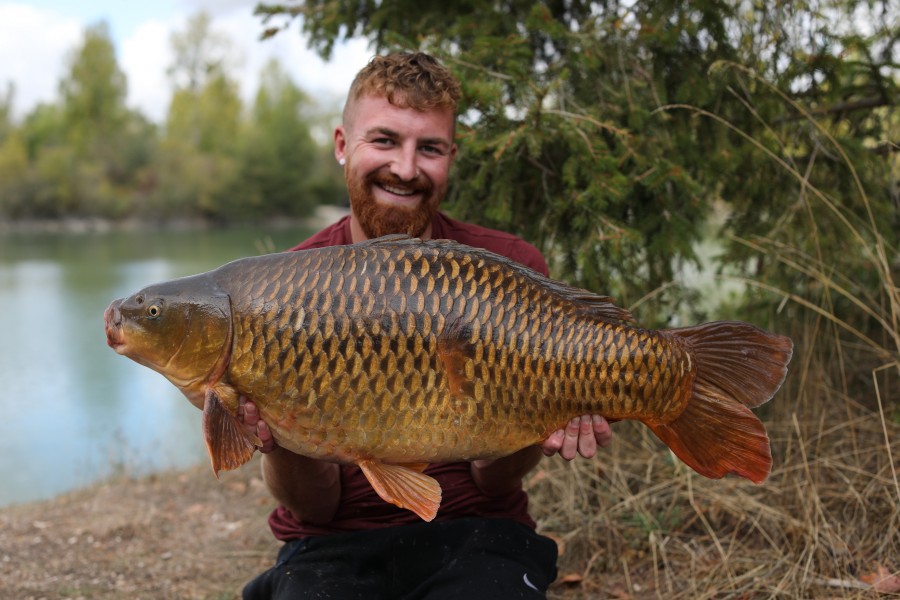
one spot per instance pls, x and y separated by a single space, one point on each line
112 320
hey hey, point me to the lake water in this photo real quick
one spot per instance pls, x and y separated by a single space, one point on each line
72 411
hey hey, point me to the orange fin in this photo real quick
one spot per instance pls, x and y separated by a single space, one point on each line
228 444
418 467
739 366
454 349
602 307
404 487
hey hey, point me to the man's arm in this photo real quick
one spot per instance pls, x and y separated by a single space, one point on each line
309 488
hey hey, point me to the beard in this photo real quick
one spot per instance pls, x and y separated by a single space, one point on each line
377 219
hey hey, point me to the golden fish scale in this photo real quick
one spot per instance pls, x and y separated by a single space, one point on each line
345 348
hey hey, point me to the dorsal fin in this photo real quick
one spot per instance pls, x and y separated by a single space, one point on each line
388 239
602 307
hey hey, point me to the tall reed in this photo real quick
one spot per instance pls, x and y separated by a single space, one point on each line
636 523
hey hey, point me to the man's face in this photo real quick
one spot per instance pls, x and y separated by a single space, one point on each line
397 165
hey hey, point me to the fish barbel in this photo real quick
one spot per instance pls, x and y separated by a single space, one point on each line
396 352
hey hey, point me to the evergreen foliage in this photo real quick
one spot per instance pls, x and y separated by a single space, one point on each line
613 133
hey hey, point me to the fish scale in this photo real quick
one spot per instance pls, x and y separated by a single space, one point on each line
394 353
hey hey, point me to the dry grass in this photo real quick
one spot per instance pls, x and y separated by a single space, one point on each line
637 523
826 524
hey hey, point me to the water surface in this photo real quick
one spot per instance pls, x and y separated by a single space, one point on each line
73 411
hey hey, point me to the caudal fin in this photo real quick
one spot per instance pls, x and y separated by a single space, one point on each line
739 367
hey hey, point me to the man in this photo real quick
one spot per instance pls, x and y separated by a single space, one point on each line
341 540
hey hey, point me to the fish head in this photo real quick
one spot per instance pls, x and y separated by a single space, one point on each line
181 329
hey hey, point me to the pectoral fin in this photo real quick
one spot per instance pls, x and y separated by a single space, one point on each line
404 486
228 443
456 352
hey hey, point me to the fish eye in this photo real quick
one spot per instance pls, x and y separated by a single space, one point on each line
153 311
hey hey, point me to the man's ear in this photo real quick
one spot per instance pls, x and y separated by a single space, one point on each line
340 143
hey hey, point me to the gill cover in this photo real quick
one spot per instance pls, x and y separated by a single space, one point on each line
181 329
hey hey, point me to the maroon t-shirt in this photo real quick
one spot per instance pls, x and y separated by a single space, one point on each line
360 507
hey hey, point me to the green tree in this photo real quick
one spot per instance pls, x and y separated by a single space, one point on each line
198 170
281 164
85 156
93 93
6 108
14 175
607 131
200 54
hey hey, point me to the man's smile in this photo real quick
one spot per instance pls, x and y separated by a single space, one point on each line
398 190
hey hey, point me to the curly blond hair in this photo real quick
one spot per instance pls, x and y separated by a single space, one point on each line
407 80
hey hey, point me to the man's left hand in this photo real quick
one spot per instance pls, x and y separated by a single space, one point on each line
582 435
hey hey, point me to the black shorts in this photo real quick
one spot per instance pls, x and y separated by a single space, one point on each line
467 559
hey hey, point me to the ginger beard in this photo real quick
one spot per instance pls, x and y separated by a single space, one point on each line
377 219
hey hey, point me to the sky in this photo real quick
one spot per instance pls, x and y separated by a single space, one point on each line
36 38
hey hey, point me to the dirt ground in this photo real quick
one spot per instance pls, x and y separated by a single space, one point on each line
180 535
175 535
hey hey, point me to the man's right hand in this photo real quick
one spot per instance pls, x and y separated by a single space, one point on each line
309 488
253 424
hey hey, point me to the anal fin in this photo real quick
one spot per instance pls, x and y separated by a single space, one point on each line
716 438
228 443
404 486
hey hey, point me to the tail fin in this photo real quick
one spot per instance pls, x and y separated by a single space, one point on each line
739 367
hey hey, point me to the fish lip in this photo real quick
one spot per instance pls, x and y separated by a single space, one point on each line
112 320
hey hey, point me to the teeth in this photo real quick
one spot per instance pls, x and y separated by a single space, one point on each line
398 191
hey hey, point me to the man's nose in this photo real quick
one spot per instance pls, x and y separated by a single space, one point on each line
404 164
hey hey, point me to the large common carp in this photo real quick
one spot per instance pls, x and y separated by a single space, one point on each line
395 353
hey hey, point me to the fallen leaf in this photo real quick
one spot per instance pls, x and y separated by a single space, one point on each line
571 578
883 581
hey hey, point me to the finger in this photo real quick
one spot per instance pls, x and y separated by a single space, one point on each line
587 444
602 431
265 436
553 443
251 414
570 442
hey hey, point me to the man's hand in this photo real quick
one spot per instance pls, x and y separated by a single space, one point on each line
249 416
309 488
581 436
